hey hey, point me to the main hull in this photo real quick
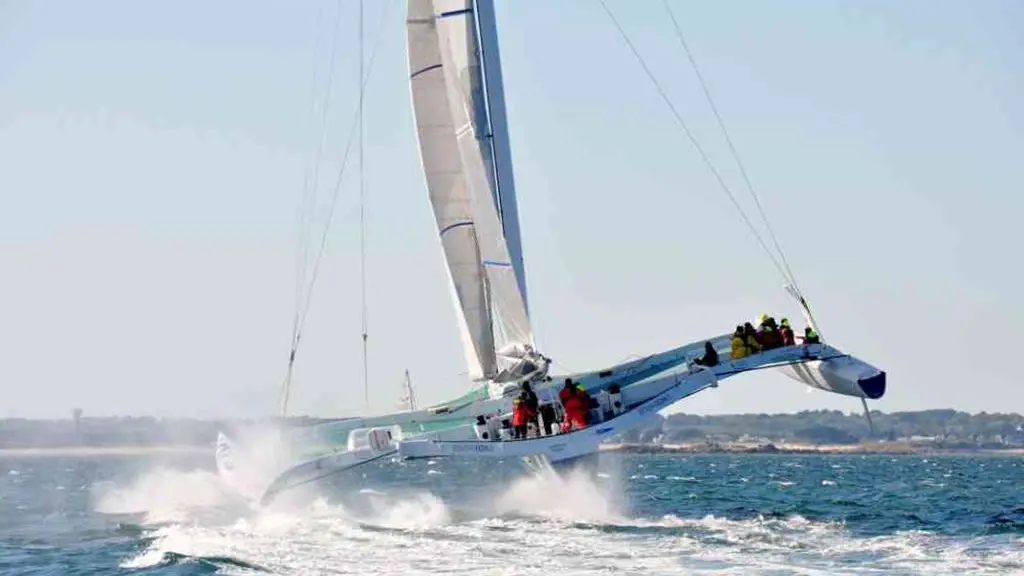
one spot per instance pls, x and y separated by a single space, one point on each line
451 419
571 445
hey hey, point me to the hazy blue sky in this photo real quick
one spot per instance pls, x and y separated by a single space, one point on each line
152 157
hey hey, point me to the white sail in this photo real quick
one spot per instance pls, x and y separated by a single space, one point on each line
451 118
448 187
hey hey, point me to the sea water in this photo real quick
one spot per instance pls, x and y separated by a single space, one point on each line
638 514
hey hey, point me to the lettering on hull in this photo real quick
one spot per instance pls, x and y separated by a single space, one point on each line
460 448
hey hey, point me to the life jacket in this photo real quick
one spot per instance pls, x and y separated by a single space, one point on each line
564 394
787 336
571 400
577 408
576 420
739 349
519 414
752 344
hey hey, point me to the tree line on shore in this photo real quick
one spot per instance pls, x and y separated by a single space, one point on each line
949 428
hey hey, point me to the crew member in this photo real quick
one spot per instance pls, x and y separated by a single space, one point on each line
751 338
589 402
787 333
519 418
574 406
528 399
532 404
739 344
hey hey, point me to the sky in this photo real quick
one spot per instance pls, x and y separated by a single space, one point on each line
152 160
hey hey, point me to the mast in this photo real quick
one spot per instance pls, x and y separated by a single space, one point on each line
497 125
408 394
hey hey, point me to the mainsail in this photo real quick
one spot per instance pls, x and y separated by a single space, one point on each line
455 138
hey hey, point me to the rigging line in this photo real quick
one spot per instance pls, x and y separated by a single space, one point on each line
362 217
302 244
728 140
323 118
341 170
287 385
311 185
693 140
334 201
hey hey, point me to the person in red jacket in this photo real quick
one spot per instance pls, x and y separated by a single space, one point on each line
529 399
519 419
575 405
566 391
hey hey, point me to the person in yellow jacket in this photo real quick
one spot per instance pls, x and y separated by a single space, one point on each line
751 339
739 345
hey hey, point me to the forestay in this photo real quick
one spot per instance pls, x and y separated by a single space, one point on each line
451 117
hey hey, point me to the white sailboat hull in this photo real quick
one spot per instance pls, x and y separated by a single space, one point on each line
568 446
647 386
843 374
816 365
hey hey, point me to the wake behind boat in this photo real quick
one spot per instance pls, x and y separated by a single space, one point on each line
462 129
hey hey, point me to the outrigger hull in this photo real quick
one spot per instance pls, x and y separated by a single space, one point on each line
320 468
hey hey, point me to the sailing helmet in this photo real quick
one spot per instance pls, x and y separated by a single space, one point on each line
762 318
785 322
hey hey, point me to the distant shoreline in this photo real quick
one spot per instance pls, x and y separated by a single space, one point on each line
893 448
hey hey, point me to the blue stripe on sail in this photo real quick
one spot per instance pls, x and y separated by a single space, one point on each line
497 264
451 13
422 70
456 225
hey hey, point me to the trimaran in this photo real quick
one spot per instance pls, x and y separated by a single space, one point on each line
458 102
